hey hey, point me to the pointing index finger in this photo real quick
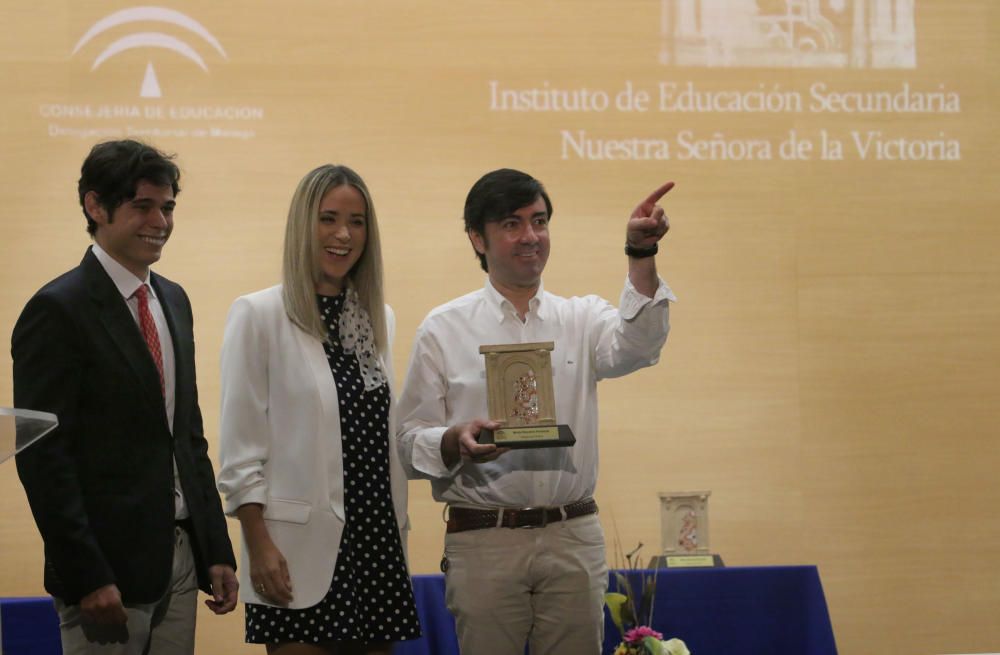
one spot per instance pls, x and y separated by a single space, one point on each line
659 193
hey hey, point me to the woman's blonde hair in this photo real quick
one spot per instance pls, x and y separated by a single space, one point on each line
301 268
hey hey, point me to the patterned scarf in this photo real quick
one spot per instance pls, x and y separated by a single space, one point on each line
357 336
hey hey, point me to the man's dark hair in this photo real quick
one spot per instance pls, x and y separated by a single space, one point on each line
113 170
497 195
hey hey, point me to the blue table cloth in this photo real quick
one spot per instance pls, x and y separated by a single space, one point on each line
733 611
729 611
29 626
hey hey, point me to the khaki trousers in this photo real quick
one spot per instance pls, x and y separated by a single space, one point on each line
162 628
540 586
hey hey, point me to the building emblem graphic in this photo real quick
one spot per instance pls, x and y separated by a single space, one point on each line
789 33
160 16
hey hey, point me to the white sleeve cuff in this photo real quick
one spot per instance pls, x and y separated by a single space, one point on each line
256 494
427 454
632 302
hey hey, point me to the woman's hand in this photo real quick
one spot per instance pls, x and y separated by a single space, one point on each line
268 567
269 572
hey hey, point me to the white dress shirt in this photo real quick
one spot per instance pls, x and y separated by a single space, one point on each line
446 385
127 284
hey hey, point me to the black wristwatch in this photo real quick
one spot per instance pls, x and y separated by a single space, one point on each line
639 253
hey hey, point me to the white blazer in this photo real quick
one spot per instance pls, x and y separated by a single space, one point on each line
280 442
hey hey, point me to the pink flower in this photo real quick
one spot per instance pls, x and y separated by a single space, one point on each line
636 635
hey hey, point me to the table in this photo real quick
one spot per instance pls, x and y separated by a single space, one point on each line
724 611
29 626
745 610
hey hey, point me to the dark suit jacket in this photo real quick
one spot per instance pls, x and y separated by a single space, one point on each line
101 485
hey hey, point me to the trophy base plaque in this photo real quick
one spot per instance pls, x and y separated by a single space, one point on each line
686 562
534 436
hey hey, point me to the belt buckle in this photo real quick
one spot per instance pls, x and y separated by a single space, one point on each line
545 517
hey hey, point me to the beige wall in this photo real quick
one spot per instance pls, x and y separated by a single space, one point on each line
831 374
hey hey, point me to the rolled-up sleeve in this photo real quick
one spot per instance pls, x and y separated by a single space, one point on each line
632 336
244 435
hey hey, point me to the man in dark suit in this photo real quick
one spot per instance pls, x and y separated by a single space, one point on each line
123 491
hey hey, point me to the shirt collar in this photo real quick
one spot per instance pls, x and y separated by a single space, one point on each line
126 281
501 308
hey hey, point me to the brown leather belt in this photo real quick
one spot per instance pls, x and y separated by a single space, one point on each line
461 519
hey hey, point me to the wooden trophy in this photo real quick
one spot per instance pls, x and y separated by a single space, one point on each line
684 531
521 398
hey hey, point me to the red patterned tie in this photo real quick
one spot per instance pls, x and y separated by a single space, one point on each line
149 333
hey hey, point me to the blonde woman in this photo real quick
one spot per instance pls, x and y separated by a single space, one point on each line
306 425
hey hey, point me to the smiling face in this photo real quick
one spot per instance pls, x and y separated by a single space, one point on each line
136 231
341 233
516 247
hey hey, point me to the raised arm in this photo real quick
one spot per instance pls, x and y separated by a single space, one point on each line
646 226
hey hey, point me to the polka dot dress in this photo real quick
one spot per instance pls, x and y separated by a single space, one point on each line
370 598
